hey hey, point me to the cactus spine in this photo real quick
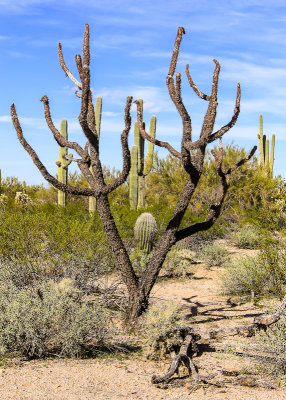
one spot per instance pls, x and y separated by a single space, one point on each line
140 168
265 161
97 114
145 231
62 163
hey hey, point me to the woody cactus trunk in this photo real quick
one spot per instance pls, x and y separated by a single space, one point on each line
63 163
265 161
191 154
140 168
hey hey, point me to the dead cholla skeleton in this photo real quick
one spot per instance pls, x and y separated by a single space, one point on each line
191 155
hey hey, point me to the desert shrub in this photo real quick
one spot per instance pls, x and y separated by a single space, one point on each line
163 329
177 262
246 237
139 259
214 254
261 275
48 241
273 343
51 319
23 200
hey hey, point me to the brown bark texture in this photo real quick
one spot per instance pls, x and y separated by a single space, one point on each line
191 154
189 347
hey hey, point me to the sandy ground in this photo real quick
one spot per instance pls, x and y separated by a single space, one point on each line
130 378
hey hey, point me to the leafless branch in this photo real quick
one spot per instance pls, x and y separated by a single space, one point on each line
58 137
125 150
227 127
53 181
215 209
194 87
157 142
65 68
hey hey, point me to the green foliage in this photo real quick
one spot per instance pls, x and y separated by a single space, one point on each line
162 328
214 254
139 259
177 262
48 241
246 237
261 275
50 320
253 198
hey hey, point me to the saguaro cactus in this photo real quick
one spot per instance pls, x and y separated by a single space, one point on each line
145 231
265 162
97 112
63 164
140 168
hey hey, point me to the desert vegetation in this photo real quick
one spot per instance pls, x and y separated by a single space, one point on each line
79 259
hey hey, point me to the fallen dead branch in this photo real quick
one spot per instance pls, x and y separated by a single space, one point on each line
189 346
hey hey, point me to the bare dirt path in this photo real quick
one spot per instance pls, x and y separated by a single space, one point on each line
130 378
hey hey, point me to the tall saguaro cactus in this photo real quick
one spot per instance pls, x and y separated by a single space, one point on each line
62 163
97 115
140 168
265 161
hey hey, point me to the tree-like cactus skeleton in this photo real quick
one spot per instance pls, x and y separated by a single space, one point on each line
191 155
140 168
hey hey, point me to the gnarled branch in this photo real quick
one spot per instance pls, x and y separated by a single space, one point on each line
53 181
215 209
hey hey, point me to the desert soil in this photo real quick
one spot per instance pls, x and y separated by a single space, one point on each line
130 377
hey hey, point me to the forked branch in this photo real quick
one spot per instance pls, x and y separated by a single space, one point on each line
215 208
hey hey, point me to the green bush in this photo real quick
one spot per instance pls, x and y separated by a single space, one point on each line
261 275
177 262
139 259
214 254
51 319
246 237
51 242
163 329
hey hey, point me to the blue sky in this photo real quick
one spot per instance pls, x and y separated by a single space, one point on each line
131 46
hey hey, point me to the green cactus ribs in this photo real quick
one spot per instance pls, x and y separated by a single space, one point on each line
63 164
145 232
140 168
97 114
266 162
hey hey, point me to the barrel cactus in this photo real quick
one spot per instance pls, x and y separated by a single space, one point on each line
145 232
